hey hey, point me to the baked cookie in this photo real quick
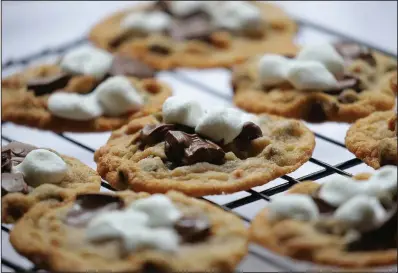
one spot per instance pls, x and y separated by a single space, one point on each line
75 95
131 232
202 151
340 82
200 34
348 223
30 175
374 139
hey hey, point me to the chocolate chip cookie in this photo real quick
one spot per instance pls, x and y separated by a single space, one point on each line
31 175
374 139
364 84
25 97
60 238
200 34
308 224
153 156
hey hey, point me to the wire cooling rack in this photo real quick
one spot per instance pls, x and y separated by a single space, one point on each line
208 86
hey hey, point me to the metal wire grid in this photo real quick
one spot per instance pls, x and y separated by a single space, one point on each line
289 181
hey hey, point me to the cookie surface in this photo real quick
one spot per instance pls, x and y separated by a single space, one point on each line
162 51
19 196
22 106
57 245
374 139
323 241
284 147
375 92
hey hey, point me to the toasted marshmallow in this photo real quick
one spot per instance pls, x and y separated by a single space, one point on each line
87 61
117 96
151 21
42 166
74 106
325 54
160 209
310 75
223 124
292 206
361 211
182 111
273 69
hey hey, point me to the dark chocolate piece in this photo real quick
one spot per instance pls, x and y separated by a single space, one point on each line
19 149
13 182
194 27
47 85
351 51
316 112
6 163
130 67
193 229
249 132
152 134
87 206
188 149
378 237
347 82
160 49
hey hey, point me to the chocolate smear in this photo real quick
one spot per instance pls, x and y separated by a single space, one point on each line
193 228
47 85
87 206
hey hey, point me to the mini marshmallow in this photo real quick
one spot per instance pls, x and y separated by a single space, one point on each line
310 75
293 206
158 238
117 96
87 61
338 190
160 209
325 54
273 69
222 124
185 8
385 178
151 21
42 166
182 111
74 106
235 15
360 210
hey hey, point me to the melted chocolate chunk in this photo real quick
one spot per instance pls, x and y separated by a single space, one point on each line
124 37
188 149
316 112
194 27
379 237
19 149
347 82
152 134
249 132
193 229
47 85
87 206
130 67
6 163
348 96
323 206
13 182
160 49
352 51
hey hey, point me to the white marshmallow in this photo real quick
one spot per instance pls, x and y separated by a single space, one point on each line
310 75
145 223
160 209
42 166
223 124
184 8
360 210
325 54
74 106
338 190
117 96
273 69
293 206
151 21
87 61
182 111
385 178
236 15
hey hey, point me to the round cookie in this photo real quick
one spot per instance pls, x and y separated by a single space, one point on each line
281 146
53 238
327 240
374 139
25 99
192 41
20 192
367 86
